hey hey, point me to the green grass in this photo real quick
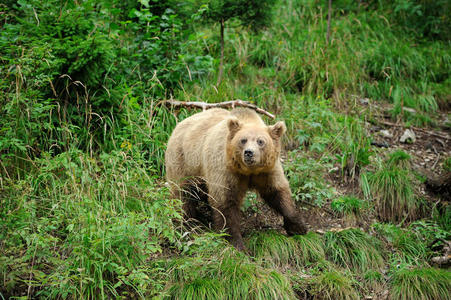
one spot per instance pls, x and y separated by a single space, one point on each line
354 249
229 275
399 159
420 283
275 249
311 248
410 246
328 285
347 205
84 210
85 227
392 188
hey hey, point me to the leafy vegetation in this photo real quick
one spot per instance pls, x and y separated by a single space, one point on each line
84 210
348 205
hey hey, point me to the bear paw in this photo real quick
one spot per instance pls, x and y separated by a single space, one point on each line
238 244
295 226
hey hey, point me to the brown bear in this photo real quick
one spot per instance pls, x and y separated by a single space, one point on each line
222 154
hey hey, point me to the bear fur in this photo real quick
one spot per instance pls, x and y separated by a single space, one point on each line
220 155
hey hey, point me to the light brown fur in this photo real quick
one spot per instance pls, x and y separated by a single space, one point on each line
231 152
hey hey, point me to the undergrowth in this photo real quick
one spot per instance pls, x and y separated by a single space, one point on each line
84 211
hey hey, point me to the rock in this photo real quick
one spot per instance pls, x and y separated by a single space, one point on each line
410 110
364 101
386 134
408 137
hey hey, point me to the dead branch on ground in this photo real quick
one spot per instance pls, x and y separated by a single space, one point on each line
225 104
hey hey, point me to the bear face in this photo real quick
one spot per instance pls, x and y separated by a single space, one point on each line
253 148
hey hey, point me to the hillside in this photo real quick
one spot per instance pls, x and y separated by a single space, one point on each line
85 212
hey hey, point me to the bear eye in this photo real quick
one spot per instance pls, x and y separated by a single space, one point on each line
243 141
260 142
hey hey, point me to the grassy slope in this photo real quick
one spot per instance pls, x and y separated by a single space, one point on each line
86 225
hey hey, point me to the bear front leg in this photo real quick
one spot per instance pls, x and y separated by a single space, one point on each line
225 201
229 218
275 191
281 201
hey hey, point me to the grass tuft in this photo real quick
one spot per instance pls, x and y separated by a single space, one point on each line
274 247
311 249
399 158
278 250
409 245
421 283
229 275
353 249
331 284
347 205
392 188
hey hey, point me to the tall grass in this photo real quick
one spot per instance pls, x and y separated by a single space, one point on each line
85 227
84 211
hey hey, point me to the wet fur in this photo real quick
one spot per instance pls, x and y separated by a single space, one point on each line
203 151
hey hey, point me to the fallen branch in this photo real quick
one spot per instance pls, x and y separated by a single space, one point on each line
416 128
226 104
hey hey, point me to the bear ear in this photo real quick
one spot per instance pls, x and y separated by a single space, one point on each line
234 125
277 130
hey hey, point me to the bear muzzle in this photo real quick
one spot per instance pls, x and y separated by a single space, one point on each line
249 157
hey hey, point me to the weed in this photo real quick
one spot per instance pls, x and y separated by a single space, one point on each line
355 147
447 164
306 177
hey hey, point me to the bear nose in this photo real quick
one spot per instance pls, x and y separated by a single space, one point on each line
248 153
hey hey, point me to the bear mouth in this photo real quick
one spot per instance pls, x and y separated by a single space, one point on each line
249 161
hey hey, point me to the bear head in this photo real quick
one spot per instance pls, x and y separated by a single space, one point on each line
253 148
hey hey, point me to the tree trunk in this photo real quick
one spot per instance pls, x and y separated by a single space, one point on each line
221 63
329 13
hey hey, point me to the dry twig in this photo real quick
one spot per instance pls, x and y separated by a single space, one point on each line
226 104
